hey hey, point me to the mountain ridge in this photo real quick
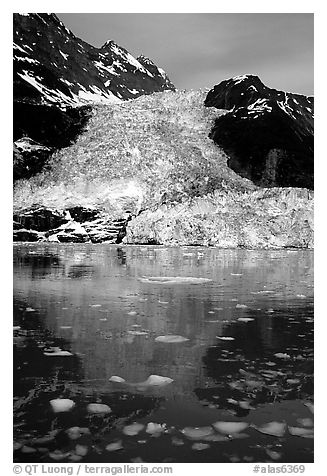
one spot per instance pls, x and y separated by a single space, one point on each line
267 133
64 68
57 76
230 167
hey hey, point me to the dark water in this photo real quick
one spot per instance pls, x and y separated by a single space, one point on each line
248 357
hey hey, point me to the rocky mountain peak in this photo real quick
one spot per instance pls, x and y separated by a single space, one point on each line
56 73
267 133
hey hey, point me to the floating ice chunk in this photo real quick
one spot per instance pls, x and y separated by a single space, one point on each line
293 381
174 280
225 338
58 455
200 446
115 446
274 428
76 432
245 319
133 429
81 450
56 352
116 378
138 333
157 380
62 405
75 458
28 450
29 309
281 355
241 306
98 408
307 422
155 429
171 339
303 432
197 433
230 427
152 381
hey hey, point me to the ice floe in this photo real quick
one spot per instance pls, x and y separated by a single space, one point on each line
171 339
230 427
115 446
273 428
62 405
174 280
100 408
133 429
197 433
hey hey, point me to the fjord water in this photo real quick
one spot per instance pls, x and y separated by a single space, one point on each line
246 356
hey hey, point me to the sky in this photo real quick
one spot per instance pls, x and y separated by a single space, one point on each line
198 50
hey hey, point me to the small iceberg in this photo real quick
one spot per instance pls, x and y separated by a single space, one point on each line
200 446
225 338
197 433
56 352
230 427
98 408
273 428
138 333
62 405
157 381
281 355
303 432
152 381
58 455
155 429
133 429
115 446
81 450
116 378
174 280
171 339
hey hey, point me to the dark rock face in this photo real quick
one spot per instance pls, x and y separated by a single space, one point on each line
26 235
268 134
73 225
40 219
82 214
56 75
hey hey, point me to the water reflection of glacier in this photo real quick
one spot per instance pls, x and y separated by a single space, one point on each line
95 301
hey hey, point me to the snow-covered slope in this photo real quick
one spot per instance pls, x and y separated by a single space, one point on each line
52 65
